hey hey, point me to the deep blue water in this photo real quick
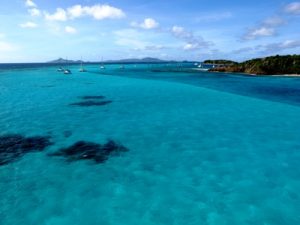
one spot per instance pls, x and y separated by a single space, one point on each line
204 148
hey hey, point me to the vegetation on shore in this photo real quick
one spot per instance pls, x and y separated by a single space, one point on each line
220 61
274 65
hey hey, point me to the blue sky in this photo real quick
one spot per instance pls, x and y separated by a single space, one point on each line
42 30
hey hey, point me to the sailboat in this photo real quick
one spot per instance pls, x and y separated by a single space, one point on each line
202 68
102 65
81 67
60 69
67 71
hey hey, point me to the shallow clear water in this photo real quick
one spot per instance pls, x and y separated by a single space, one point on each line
204 148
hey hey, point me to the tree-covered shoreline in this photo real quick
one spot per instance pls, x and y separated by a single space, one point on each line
273 65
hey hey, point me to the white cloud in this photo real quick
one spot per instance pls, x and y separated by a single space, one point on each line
293 8
2 35
190 46
290 44
275 48
274 21
59 15
192 42
30 3
150 47
76 11
98 12
28 25
259 32
263 31
70 30
147 24
34 12
269 26
177 30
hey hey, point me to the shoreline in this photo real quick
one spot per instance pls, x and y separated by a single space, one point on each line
258 75
278 65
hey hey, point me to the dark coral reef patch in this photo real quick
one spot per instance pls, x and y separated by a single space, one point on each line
13 147
91 100
91 151
91 103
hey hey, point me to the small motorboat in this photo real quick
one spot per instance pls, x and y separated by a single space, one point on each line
60 69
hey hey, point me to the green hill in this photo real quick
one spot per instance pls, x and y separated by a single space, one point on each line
220 61
274 65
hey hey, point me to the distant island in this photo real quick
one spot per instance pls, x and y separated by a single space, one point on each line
133 60
61 60
273 65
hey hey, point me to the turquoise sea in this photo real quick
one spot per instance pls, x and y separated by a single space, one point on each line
203 148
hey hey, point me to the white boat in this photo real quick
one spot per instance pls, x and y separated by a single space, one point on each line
196 64
82 68
102 67
67 71
200 67
60 69
203 69
213 66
